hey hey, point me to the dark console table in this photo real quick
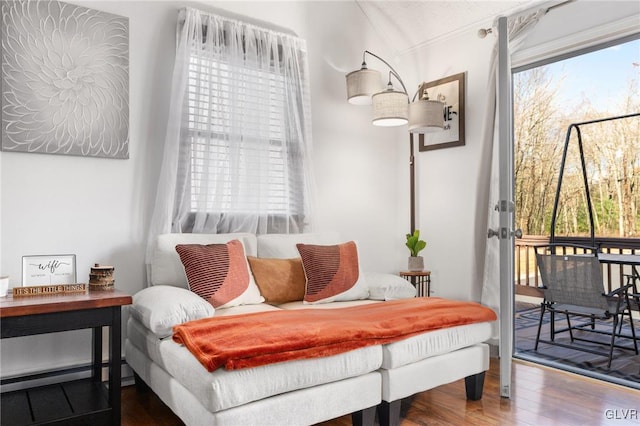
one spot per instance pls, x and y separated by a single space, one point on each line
85 401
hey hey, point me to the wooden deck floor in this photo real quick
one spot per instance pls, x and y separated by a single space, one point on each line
541 396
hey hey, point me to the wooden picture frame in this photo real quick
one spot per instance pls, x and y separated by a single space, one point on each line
48 269
451 91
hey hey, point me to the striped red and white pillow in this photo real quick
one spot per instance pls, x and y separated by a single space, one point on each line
332 273
219 273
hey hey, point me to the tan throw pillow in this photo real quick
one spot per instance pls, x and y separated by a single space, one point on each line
279 280
332 273
219 273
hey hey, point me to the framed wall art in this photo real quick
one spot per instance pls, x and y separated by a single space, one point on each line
451 91
65 80
48 269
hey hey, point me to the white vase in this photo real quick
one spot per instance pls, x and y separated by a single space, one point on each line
416 263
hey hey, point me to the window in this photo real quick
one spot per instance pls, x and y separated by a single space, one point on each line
244 133
273 186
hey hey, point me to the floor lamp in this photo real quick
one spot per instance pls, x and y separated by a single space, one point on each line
392 107
412 184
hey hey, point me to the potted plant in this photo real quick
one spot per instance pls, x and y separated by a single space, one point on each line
415 245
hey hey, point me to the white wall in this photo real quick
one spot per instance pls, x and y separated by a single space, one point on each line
355 162
95 208
99 209
447 178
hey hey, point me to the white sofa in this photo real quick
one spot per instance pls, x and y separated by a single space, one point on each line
293 392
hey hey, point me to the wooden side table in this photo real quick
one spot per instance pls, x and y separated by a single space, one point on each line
421 280
85 401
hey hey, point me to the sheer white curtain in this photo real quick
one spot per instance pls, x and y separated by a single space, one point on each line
518 28
237 149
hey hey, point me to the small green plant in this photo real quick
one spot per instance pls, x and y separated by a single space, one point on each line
414 243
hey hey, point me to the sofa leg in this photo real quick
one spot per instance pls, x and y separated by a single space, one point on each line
389 413
364 417
474 385
141 386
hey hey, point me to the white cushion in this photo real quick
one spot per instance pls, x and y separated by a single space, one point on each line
333 305
388 286
160 308
428 373
283 246
433 343
166 268
306 406
245 309
223 389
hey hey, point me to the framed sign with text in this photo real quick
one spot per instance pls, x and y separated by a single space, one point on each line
48 269
451 91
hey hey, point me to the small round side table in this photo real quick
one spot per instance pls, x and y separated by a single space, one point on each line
421 280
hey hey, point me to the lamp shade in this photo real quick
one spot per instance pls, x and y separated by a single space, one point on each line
362 84
426 116
390 108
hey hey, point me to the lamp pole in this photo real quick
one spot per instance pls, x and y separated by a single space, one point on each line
412 184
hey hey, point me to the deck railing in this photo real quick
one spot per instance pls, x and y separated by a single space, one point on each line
527 277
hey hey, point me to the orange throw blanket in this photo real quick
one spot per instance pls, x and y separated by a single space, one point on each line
251 340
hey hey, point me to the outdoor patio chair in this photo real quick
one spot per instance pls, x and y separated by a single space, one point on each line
573 286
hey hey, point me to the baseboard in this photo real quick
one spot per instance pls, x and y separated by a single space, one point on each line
494 350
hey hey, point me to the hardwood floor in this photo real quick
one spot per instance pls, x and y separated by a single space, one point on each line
540 396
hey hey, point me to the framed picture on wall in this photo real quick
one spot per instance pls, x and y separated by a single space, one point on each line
451 91
65 80
48 269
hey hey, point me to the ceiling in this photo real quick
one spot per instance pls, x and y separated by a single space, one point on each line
411 24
